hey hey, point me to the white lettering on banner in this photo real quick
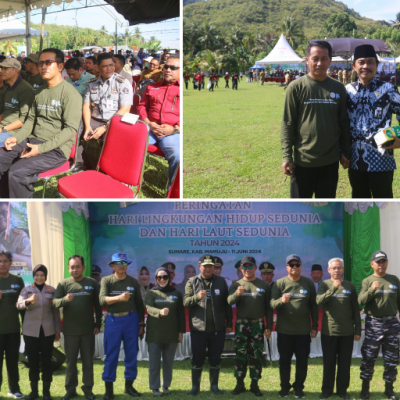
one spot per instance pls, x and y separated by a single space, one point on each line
294 219
226 205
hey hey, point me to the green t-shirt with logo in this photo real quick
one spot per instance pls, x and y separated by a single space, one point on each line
254 303
18 101
54 118
35 81
340 307
385 300
79 314
300 314
164 329
112 286
3 90
9 316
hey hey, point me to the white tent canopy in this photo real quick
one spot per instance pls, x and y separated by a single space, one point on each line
8 7
282 53
398 59
338 59
11 28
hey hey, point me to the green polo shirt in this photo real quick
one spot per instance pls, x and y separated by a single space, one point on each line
81 83
18 100
35 81
2 93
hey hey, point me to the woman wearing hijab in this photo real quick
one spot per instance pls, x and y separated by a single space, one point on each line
188 272
144 280
41 326
165 327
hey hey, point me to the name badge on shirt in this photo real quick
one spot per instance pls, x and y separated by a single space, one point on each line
378 113
109 104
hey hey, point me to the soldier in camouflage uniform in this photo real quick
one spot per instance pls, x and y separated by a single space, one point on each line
252 297
380 293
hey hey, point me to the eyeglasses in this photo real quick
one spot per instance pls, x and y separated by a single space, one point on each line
154 65
336 269
250 267
46 62
4 261
171 67
294 265
119 263
162 278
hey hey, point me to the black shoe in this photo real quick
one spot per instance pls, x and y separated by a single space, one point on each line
240 387
389 392
364 395
299 394
70 395
46 391
132 391
254 388
34 394
214 377
196 378
89 396
344 396
109 395
324 396
284 392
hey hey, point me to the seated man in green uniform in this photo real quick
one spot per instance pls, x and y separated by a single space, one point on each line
77 76
31 73
18 99
46 139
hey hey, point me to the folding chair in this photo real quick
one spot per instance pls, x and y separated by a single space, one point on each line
136 79
136 101
133 86
68 166
121 162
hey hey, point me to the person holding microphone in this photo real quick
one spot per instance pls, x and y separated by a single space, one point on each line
41 326
165 328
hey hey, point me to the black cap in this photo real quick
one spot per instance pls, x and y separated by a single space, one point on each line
248 260
169 265
96 269
379 255
207 259
218 262
237 265
266 267
316 267
293 257
365 50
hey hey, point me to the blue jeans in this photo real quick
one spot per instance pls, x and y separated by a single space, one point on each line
121 329
3 137
170 145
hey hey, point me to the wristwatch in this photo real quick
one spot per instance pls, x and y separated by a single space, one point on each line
177 130
4 130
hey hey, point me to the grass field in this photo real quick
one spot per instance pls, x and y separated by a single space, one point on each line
181 382
231 144
155 177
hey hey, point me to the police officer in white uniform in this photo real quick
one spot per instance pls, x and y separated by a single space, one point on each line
105 96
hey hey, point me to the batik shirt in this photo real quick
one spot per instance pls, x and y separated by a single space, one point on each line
370 109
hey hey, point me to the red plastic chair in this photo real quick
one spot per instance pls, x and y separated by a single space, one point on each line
174 191
121 162
136 101
133 86
68 166
136 79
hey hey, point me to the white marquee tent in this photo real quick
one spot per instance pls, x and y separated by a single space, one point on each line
11 28
282 53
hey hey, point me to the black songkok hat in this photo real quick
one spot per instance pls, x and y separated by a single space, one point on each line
363 51
316 267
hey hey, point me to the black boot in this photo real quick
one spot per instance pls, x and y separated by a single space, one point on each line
34 394
129 389
389 392
240 388
109 395
46 391
214 377
196 377
365 390
254 387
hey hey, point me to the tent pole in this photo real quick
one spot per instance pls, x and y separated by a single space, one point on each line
42 28
28 26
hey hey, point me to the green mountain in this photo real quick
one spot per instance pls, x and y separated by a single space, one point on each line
258 16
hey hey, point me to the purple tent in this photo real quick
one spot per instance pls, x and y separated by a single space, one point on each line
346 46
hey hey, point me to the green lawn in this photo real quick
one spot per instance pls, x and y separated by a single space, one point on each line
231 144
155 178
181 383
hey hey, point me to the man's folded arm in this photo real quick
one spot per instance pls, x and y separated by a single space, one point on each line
289 126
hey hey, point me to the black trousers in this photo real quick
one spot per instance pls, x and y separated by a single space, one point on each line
216 83
199 86
227 84
299 345
9 344
186 84
336 350
203 341
321 181
24 172
234 85
211 87
39 351
366 185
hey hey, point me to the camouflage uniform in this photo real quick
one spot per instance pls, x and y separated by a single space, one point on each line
380 331
249 346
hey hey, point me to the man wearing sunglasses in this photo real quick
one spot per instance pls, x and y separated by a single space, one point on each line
294 299
31 73
18 99
77 76
252 298
45 140
160 108
210 317
120 294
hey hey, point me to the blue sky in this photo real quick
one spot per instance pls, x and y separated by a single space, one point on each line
95 17
374 9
